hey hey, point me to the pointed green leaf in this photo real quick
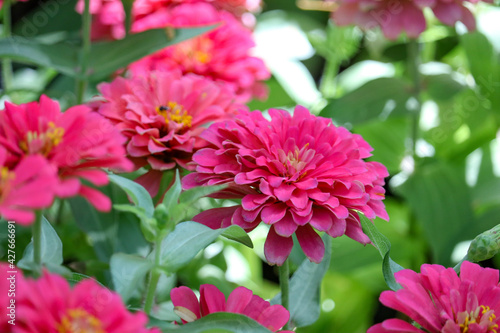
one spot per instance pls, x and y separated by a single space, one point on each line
304 289
138 194
238 234
171 198
187 239
191 195
389 266
127 271
220 322
51 248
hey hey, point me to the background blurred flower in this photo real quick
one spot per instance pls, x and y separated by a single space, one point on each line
241 300
49 304
78 142
394 17
440 301
296 174
162 116
28 186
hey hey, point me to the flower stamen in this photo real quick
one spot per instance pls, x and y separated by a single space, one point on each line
80 321
176 113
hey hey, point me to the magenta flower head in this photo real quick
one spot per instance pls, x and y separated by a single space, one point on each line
439 301
78 143
223 54
162 116
26 187
241 300
396 16
295 173
49 304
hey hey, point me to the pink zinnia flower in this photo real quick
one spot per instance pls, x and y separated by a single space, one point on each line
241 300
222 54
78 143
162 116
26 187
395 17
295 173
49 304
441 302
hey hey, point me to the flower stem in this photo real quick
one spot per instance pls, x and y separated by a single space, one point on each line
154 277
414 72
81 83
327 86
284 284
6 63
37 243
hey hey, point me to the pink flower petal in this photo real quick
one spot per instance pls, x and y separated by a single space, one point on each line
311 243
277 248
211 300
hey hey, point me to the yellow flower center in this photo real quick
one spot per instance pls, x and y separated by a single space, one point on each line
79 321
6 176
42 143
197 49
482 316
295 161
176 113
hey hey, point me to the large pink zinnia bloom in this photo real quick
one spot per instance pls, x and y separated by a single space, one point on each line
162 116
441 302
222 54
396 16
49 304
78 142
241 300
295 173
27 187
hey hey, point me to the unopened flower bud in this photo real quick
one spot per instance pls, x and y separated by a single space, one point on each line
485 245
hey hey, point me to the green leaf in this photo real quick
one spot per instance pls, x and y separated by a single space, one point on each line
378 99
389 266
138 194
107 57
127 271
60 56
51 248
238 234
187 239
191 195
442 86
171 198
220 322
304 289
439 196
101 231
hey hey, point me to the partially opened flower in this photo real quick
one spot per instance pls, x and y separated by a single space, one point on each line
49 304
223 54
162 116
25 188
394 17
78 142
440 301
241 300
295 173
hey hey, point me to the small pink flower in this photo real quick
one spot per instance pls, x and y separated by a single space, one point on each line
222 54
78 142
49 304
295 173
162 116
241 300
27 187
441 302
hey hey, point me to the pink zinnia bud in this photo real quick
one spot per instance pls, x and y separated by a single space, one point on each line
78 143
295 173
440 301
49 304
162 116
241 300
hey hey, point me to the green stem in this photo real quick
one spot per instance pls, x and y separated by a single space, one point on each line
7 73
457 266
81 84
327 86
154 277
414 72
284 284
37 242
